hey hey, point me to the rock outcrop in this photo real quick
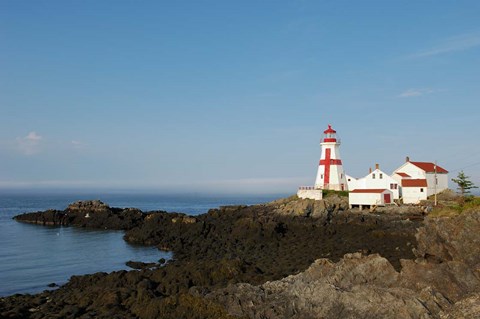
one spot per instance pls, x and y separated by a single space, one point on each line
292 206
287 259
443 282
89 214
355 287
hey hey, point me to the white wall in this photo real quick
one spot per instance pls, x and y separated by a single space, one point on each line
414 171
442 183
413 195
316 194
367 198
352 182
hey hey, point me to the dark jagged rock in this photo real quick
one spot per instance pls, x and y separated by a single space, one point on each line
252 261
90 214
139 265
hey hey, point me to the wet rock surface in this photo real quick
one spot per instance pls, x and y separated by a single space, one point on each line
287 259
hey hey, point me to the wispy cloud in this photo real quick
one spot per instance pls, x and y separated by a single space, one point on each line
30 144
416 92
457 43
78 144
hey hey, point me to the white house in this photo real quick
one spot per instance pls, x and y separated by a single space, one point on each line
436 176
369 197
414 190
375 180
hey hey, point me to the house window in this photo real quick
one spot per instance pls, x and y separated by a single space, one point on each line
381 175
421 190
395 185
392 186
373 176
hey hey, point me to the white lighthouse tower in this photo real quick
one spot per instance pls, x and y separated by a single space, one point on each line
330 173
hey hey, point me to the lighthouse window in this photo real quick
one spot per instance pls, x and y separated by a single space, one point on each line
321 176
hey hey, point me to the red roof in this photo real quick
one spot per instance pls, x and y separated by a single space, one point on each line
373 190
402 174
329 130
429 167
414 182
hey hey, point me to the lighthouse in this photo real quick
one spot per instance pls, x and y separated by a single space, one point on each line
330 173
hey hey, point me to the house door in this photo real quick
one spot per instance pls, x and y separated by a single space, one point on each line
387 199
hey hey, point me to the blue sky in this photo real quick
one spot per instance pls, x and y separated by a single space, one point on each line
232 96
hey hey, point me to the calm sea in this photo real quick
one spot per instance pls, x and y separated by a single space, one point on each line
32 256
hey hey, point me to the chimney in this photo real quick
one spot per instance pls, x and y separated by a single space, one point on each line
407 159
377 166
369 170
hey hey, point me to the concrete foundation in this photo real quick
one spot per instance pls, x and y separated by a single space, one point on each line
310 193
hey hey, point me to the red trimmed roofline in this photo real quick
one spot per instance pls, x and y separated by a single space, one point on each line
429 167
414 183
365 190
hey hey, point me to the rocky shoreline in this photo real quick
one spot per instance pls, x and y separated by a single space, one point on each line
290 258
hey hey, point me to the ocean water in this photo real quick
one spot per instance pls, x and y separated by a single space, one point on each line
33 256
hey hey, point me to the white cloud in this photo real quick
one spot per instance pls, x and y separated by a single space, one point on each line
33 136
30 144
416 92
457 43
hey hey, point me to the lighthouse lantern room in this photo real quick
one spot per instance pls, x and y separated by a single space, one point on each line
330 173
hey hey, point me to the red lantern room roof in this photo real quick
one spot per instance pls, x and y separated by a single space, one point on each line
329 130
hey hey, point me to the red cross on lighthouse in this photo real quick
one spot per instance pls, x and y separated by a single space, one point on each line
330 173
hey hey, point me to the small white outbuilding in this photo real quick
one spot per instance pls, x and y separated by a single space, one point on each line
414 190
369 197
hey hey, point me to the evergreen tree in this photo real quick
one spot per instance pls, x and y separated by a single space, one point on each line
464 184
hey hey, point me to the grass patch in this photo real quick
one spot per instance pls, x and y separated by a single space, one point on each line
328 192
456 207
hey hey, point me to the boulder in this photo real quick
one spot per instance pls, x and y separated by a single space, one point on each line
356 287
